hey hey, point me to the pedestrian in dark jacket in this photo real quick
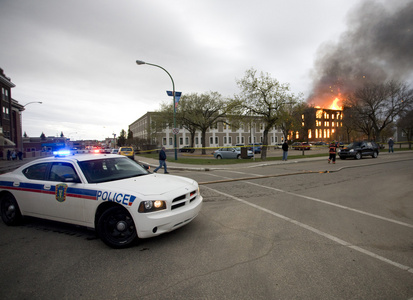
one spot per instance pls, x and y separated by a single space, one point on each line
162 161
391 144
285 150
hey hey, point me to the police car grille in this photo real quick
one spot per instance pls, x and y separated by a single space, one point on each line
182 200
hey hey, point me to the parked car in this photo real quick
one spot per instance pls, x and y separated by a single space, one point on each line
301 146
109 193
114 151
187 149
256 147
127 151
359 149
230 152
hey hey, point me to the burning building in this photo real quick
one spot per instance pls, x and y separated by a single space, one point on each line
375 48
322 124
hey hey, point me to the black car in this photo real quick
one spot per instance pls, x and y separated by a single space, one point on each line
187 149
359 149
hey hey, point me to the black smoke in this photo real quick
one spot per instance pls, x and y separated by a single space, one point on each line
377 46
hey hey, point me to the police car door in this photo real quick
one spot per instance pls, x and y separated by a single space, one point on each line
61 203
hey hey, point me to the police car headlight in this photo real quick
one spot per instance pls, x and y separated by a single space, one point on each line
151 206
351 150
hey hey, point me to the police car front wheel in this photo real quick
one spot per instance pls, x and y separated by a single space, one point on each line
116 227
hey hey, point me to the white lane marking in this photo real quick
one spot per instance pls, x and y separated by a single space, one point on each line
319 232
334 204
249 174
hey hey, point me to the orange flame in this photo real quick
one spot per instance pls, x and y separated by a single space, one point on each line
335 105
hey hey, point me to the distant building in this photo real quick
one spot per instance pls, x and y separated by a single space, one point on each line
219 135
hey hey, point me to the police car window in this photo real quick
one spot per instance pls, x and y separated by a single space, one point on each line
110 169
36 172
63 172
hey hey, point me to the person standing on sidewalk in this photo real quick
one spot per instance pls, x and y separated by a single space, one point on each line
391 144
332 151
285 150
162 161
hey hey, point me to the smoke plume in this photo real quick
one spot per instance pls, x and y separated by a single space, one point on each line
377 46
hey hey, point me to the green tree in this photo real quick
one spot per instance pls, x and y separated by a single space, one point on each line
290 116
201 111
264 97
42 136
122 138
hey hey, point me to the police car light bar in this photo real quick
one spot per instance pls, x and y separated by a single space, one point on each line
61 153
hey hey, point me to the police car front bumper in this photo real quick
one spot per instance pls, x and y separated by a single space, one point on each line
156 223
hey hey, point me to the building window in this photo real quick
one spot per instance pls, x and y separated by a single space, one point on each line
181 141
170 142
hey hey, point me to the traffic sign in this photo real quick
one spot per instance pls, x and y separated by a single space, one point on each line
175 130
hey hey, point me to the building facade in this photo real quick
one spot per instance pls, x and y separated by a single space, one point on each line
10 118
323 124
220 135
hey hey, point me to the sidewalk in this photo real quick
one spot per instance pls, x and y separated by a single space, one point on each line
10 165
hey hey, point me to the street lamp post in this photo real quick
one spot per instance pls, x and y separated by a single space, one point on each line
140 62
32 102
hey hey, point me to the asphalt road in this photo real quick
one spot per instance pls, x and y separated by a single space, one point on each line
295 230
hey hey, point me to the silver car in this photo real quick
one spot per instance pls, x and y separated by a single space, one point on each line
230 152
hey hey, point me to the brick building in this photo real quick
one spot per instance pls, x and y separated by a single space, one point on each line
10 118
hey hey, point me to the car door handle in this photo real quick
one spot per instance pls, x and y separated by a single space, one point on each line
47 186
16 183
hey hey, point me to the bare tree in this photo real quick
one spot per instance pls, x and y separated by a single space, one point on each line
405 123
263 96
376 105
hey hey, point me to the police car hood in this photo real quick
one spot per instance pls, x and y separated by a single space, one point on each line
152 184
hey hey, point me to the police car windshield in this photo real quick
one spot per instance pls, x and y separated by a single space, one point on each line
110 169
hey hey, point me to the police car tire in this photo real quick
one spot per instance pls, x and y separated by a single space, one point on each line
358 155
10 211
109 224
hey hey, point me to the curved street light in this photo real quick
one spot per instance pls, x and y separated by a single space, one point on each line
140 62
32 102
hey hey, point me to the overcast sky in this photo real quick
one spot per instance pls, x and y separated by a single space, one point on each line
78 57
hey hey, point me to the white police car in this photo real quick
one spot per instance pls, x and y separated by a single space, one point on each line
110 193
